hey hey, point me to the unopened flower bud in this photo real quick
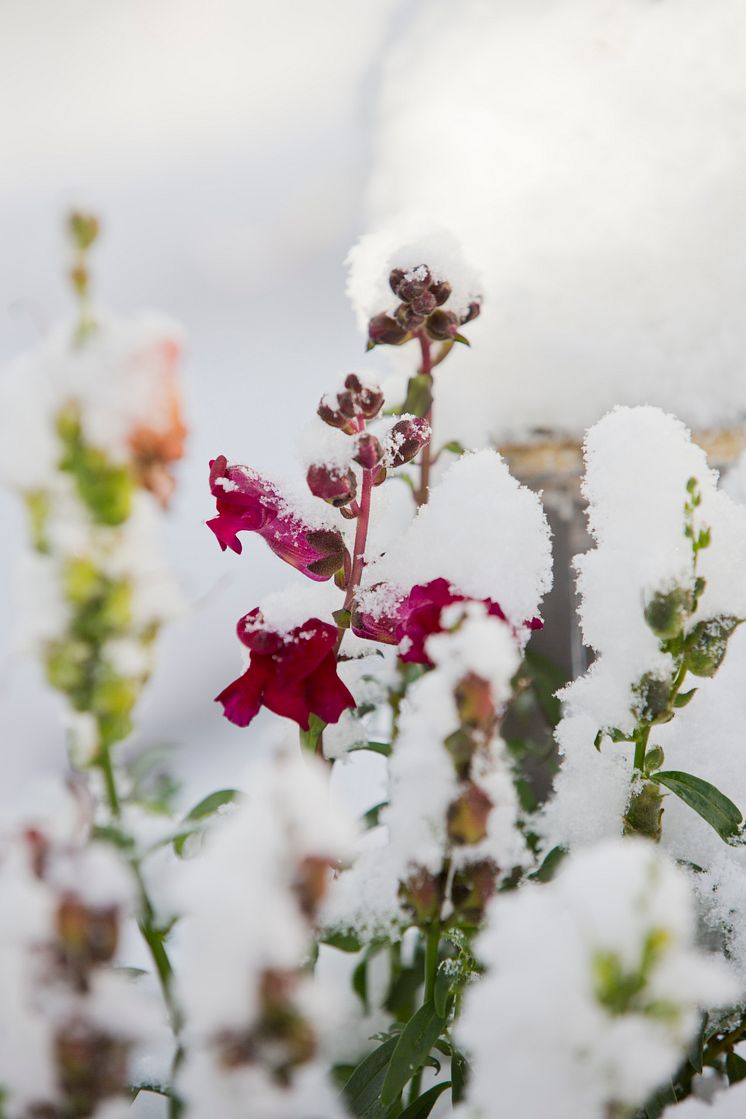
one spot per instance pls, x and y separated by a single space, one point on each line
334 417
408 318
385 331
311 884
666 613
422 895
406 438
369 451
653 698
473 886
707 645
337 487
396 278
440 291
424 304
473 312
84 229
416 281
468 815
462 746
442 325
475 703
368 397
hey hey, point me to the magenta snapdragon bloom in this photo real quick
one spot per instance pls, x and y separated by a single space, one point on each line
247 502
417 616
292 674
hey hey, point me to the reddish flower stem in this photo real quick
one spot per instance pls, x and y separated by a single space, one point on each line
361 538
426 370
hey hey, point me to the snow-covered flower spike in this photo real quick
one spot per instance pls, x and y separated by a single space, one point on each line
452 837
255 1023
673 547
92 426
69 1023
595 980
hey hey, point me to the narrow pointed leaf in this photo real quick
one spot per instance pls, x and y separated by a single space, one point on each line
712 805
414 1045
362 1090
424 1104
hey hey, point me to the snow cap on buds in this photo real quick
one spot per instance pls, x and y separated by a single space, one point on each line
357 399
402 284
292 673
247 502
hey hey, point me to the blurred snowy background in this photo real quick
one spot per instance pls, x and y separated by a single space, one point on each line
590 153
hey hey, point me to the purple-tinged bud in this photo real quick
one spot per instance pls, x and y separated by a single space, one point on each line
385 331
424 304
474 311
406 438
416 281
407 318
334 417
337 487
346 403
396 278
369 451
441 291
442 325
422 895
472 887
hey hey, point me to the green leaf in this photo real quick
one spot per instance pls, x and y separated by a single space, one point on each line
419 396
210 804
459 1073
343 940
712 805
454 447
735 1068
370 818
424 1104
383 748
548 868
443 980
683 698
414 1045
362 1090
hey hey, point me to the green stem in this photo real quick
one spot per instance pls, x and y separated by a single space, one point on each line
641 745
106 766
432 948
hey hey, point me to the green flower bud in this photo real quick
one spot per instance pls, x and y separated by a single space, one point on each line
666 613
707 644
652 699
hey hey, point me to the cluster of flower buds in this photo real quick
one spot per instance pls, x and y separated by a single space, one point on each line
85 1016
349 410
422 297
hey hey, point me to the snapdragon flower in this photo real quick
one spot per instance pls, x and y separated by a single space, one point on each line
293 674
